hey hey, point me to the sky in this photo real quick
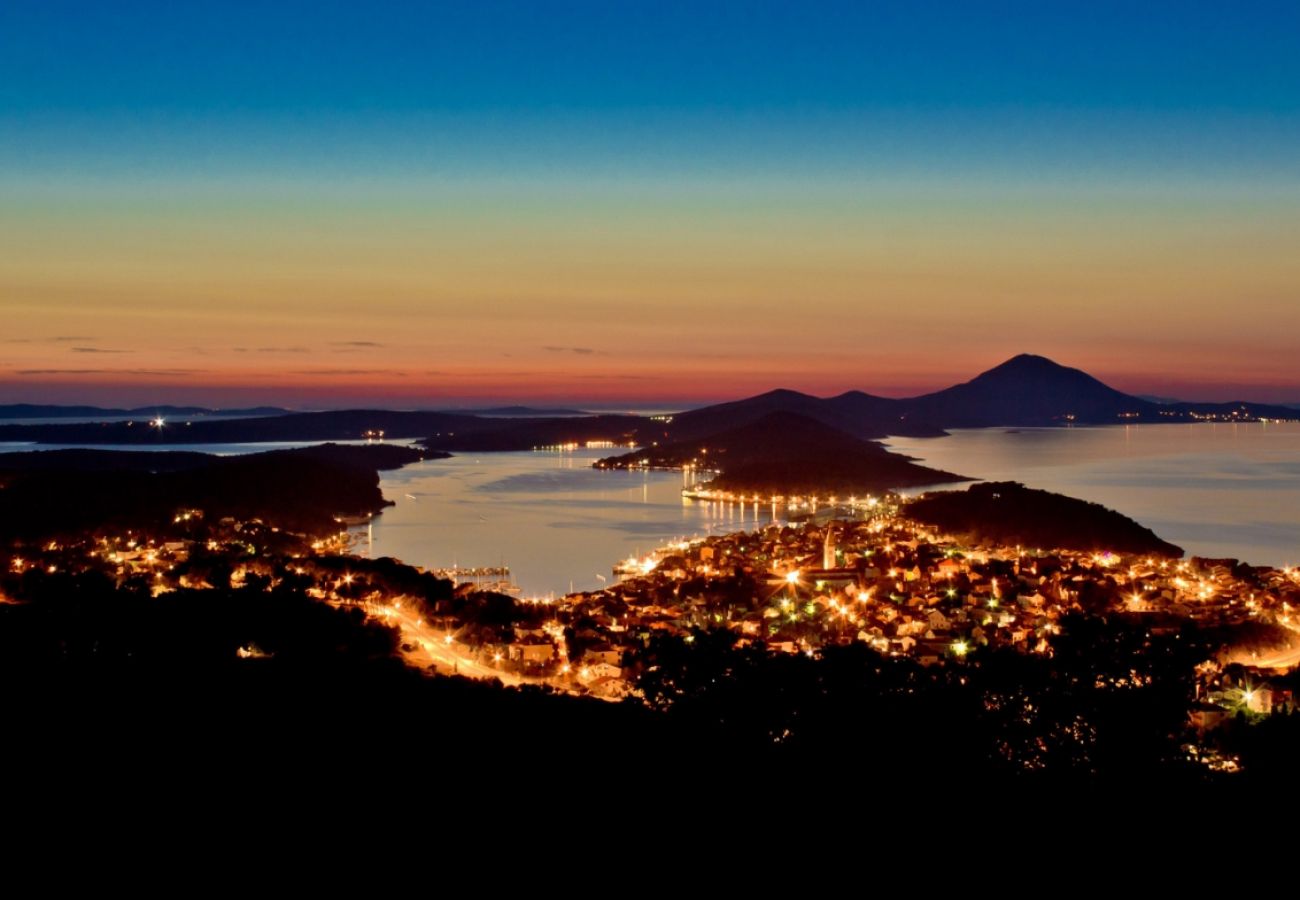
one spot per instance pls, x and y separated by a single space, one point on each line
422 204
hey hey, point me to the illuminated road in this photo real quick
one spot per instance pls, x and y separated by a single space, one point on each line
1277 659
431 647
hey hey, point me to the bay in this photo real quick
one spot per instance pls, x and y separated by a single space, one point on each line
1216 490
554 520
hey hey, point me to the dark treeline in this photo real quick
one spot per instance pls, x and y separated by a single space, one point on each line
55 493
1009 514
261 677
786 453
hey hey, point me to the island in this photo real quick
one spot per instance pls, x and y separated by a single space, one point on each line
1007 513
783 454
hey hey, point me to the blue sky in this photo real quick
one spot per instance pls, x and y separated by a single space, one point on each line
896 194
1101 83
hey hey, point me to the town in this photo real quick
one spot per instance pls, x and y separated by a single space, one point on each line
874 577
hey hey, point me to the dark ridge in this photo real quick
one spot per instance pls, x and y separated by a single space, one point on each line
1007 513
784 452
68 492
527 434
447 431
379 457
521 412
1028 390
859 414
52 411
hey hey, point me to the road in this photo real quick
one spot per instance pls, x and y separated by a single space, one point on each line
1273 659
431 647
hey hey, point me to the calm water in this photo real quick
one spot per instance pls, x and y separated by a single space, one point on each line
549 516
1215 490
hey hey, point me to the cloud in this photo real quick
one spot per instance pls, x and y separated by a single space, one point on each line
134 373
617 377
355 344
581 351
97 350
282 350
328 371
60 339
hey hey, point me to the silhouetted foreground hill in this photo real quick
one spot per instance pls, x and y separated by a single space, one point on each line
66 492
110 679
1008 513
784 453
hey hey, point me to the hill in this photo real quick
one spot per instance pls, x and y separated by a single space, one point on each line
53 493
1008 513
788 453
1024 391
1028 390
441 431
51 411
858 414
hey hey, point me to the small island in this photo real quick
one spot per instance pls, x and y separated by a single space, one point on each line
1006 513
787 453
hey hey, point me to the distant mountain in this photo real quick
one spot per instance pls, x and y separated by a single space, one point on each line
785 452
1024 391
46 411
856 413
1028 390
521 412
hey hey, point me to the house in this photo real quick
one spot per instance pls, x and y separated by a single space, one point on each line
604 670
531 652
948 568
1207 716
603 653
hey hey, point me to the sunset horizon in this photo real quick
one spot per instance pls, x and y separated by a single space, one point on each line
841 197
464 405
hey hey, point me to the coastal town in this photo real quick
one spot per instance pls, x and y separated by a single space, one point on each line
874 578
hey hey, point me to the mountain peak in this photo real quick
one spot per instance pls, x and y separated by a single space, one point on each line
1028 362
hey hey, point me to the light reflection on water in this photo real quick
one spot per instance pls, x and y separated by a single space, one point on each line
1214 489
549 516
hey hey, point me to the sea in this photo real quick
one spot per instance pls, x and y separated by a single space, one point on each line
1214 489
553 520
1217 490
